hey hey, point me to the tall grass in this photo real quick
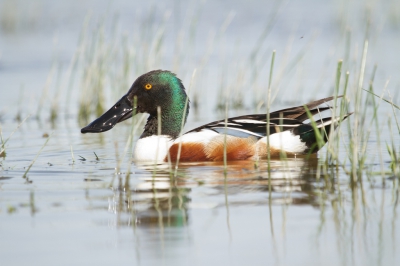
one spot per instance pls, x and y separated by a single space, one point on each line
183 122
4 141
107 60
37 155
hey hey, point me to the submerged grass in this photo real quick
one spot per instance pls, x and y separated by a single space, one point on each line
72 155
37 155
4 141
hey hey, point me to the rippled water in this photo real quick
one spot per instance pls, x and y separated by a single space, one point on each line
79 211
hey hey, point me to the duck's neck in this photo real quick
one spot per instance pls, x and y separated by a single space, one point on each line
171 121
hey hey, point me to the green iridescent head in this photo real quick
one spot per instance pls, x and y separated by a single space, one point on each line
154 89
158 88
164 89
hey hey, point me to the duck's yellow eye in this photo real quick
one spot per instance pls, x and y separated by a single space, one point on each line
148 86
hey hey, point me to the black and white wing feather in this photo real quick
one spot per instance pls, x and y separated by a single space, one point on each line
256 125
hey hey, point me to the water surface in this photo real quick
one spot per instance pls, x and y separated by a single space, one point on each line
81 209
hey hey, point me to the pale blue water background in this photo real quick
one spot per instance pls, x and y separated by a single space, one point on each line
67 214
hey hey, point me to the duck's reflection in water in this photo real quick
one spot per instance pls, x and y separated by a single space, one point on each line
155 196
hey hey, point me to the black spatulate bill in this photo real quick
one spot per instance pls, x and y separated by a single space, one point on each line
121 111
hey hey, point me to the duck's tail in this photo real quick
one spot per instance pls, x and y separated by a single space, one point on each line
315 134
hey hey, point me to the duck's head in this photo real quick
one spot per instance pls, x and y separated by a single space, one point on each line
154 89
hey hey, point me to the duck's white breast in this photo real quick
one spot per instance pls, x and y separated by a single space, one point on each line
152 149
155 148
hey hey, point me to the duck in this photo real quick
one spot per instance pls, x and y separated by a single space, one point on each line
246 137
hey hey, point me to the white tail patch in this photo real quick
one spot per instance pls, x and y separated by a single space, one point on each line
286 141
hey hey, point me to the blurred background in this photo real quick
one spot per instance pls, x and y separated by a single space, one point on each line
75 54
63 63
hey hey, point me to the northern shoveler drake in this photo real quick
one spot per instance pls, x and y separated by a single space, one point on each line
245 137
